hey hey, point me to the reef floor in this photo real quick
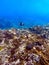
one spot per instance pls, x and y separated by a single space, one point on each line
25 46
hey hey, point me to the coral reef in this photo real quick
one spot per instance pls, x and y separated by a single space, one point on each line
24 47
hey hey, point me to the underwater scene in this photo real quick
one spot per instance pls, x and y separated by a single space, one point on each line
24 32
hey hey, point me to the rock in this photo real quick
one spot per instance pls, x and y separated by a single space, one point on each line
29 46
38 43
36 29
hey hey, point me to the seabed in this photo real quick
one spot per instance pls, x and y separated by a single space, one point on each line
25 46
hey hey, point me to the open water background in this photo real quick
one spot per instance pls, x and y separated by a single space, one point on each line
29 12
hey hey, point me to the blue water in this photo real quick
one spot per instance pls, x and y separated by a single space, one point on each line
7 23
29 12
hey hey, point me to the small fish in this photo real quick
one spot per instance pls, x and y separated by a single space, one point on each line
21 24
